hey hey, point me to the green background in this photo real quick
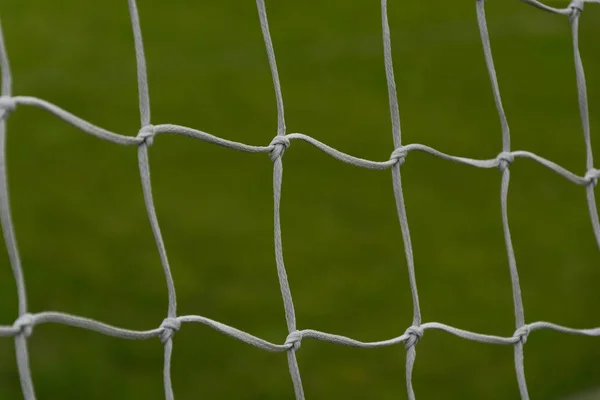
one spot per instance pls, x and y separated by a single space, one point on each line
87 248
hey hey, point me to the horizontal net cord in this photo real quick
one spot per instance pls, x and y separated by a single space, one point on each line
398 155
28 321
562 11
66 116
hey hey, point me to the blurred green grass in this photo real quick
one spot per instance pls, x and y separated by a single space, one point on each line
87 247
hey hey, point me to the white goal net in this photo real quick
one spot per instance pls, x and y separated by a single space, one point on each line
23 327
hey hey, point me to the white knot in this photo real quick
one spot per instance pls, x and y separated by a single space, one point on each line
146 135
294 340
505 159
399 155
522 333
279 144
169 326
8 104
25 324
592 176
576 5
413 335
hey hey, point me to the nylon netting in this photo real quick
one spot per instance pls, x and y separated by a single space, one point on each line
22 328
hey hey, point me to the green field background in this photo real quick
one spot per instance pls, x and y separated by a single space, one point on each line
87 247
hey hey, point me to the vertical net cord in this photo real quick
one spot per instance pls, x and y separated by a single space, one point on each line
140 59
9 234
144 167
506 160
398 195
276 155
585 119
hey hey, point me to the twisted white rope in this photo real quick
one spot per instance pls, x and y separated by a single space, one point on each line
408 338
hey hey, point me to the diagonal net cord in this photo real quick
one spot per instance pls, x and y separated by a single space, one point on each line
170 325
507 159
280 143
398 155
24 324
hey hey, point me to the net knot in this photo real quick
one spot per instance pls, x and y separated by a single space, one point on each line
169 326
7 104
399 155
522 333
592 176
505 159
279 144
146 135
576 5
294 340
413 335
25 324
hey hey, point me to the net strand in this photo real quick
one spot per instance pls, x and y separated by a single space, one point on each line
489 62
53 317
116 138
8 229
506 160
560 11
576 9
146 135
140 58
23 326
5 72
280 143
399 155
